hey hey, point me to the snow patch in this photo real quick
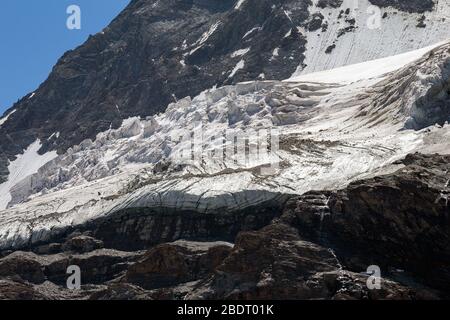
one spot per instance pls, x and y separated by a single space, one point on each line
239 53
251 31
366 70
205 36
239 4
240 65
54 135
25 165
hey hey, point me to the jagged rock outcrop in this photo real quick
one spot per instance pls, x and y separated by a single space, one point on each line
13 290
399 221
82 244
23 265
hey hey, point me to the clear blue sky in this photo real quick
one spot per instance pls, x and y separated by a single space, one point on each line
33 35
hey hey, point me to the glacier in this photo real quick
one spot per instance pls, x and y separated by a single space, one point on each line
374 33
332 128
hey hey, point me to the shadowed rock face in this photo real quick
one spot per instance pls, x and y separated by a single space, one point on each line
144 227
276 263
152 53
17 290
319 248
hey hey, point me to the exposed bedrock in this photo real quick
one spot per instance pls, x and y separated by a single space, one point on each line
276 263
329 3
397 221
170 264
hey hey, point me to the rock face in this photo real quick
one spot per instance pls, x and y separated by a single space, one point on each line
179 262
82 244
13 290
144 227
319 247
397 221
23 265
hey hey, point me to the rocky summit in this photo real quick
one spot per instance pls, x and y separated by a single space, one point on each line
236 149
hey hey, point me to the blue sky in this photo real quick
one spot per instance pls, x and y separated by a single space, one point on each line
33 35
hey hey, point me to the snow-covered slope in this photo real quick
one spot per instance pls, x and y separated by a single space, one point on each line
325 131
24 166
5 118
373 69
357 32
